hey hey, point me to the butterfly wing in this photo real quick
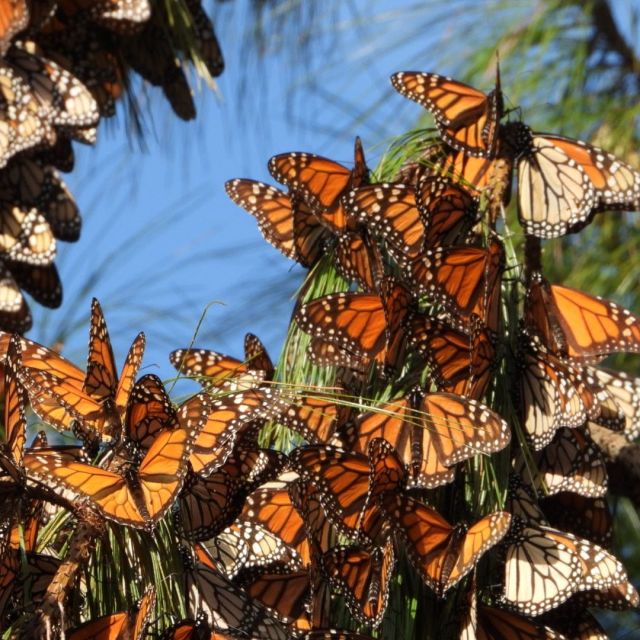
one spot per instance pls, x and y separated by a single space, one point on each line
351 321
363 577
128 374
15 401
573 324
390 210
285 222
467 118
342 479
102 377
447 210
478 539
564 182
461 428
149 411
79 482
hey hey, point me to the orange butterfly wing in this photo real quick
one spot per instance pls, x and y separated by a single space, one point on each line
390 211
573 324
467 118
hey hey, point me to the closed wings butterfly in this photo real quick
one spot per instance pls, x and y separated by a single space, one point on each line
446 208
467 119
15 401
458 362
363 576
563 183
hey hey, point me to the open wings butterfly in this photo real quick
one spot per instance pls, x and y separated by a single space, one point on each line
134 495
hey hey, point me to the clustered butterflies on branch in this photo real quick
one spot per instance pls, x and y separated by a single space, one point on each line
269 537
63 66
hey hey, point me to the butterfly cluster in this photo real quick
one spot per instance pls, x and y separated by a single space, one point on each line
441 425
430 324
63 66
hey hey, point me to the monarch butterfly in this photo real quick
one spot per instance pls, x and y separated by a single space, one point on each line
14 422
321 182
363 577
99 401
571 462
272 507
285 221
151 54
588 518
465 280
66 101
390 210
573 324
25 235
14 17
283 592
59 207
14 311
574 621
216 369
118 625
207 505
206 38
342 480
544 567
468 120
624 395
563 183
551 395
149 412
432 433
41 283
482 622
475 174
441 553
190 629
227 419
458 363
245 544
446 208
137 496
366 325
226 605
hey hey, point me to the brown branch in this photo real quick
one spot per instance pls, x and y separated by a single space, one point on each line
623 462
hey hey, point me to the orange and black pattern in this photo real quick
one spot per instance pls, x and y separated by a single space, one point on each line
440 450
